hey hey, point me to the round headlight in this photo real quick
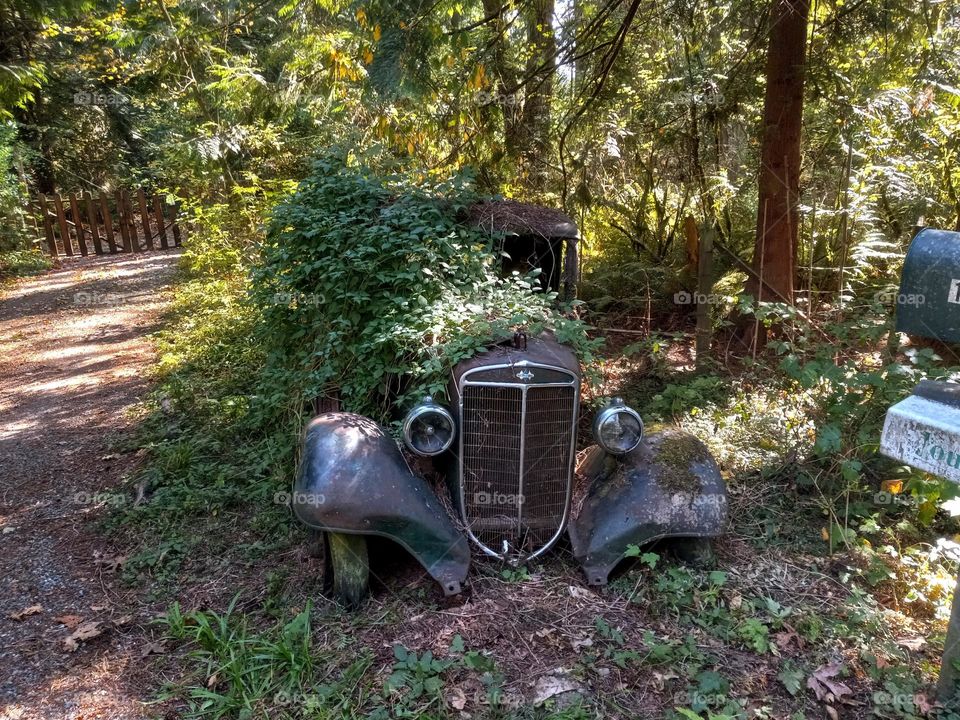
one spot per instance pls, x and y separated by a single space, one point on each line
428 429
617 428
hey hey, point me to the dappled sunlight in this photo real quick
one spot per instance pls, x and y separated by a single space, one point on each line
74 361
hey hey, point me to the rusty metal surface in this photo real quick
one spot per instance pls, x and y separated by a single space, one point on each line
541 350
517 409
510 216
354 479
669 486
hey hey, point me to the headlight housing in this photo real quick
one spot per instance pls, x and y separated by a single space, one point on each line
617 428
428 429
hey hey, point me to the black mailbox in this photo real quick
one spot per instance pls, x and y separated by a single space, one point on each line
929 300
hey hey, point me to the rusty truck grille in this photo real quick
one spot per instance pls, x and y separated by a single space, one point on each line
516 464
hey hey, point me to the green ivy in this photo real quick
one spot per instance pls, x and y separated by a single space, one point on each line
372 287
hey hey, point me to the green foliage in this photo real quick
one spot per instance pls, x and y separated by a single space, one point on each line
18 263
245 668
372 286
13 220
417 679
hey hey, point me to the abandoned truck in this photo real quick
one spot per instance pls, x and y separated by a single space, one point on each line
505 440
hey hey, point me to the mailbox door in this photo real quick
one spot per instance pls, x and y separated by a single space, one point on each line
929 300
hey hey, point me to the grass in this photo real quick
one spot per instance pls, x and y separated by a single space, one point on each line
253 636
21 263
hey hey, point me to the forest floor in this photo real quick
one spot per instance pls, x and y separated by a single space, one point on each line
195 595
75 357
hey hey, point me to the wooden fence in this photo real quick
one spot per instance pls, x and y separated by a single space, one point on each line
80 223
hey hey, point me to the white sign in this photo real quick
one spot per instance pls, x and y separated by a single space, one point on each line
924 434
954 295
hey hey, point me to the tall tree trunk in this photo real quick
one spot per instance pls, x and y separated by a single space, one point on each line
777 216
505 77
535 142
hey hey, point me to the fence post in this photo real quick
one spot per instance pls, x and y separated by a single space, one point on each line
145 215
94 225
176 224
62 223
48 226
704 291
161 223
131 224
77 218
107 222
122 222
949 675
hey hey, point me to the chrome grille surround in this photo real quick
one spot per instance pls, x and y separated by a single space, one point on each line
517 435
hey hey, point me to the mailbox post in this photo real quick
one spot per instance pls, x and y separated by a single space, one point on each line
924 431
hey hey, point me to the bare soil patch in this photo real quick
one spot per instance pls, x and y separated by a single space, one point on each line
74 360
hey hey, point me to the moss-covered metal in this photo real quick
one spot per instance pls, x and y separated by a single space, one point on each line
670 486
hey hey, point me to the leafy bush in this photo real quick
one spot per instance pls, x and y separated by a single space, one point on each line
373 287
12 191
16 263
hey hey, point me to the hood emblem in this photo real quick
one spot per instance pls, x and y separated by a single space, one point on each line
525 375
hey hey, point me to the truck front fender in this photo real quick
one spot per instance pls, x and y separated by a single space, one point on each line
354 479
669 486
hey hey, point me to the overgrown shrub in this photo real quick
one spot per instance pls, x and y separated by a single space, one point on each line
12 193
373 287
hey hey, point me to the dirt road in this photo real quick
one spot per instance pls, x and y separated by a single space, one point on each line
74 357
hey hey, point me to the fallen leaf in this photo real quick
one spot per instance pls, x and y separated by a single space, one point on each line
110 564
212 680
581 642
26 612
659 678
914 643
788 636
456 698
71 621
85 631
831 711
153 648
123 620
549 686
579 593
894 487
823 684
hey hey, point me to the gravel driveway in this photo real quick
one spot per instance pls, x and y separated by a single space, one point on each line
74 363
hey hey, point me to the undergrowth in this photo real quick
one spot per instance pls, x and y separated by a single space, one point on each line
795 431
372 287
20 263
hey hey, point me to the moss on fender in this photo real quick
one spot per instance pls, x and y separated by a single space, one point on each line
678 454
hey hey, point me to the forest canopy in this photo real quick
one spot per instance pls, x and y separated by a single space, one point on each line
746 177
